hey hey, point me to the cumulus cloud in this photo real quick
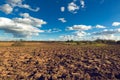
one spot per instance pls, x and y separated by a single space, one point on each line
106 32
80 34
19 3
30 20
77 35
106 37
9 6
62 20
53 30
72 7
79 27
67 37
14 2
21 27
100 26
6 8
28 7
82 3
25 15
62 9
116 24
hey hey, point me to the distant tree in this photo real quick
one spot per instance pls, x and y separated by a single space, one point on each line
105 41
21 40
118 42
100 41
111 42
18 43
69 41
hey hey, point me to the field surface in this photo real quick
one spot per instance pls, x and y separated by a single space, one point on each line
57 61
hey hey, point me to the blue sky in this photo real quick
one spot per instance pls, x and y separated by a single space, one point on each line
59 19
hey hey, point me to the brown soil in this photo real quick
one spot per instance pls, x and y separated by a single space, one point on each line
60 62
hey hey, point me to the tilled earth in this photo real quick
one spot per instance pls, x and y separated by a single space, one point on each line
62 62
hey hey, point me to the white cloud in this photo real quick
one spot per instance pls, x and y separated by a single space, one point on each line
19 3
79 27
107 37
25 15
72 37
106 32
118 30
80 34
62 9
72 7
77 35
62 20
10 5
82 3
21 27
14 2
6 8
28 7
30 20
53 30
67 37
116 24
100 26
